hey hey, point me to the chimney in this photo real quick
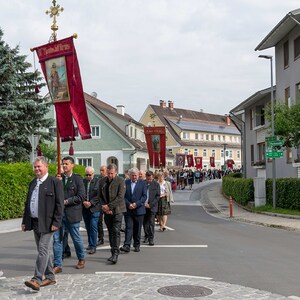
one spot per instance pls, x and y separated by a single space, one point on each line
171 104
227 120
162 103
121 109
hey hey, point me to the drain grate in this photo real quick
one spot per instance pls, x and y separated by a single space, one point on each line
185 291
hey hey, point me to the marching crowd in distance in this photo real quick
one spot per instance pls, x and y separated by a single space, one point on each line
55 207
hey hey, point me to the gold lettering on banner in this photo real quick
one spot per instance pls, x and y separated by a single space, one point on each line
46 51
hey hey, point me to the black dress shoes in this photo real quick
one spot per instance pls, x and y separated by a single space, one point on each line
151 243
137 249
125 249
145 241
100 242
113 259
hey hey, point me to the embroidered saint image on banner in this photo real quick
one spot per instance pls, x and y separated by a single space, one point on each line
155 143
57 79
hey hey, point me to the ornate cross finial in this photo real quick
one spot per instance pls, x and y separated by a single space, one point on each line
54 11
152 117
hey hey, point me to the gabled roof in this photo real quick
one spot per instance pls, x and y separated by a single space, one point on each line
99 104
185 119
281 30
100 107
253 99
206 127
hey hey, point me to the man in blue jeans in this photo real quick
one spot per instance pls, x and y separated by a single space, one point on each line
91 208
74 195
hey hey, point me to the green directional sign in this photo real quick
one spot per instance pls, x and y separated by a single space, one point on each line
274 141
274 153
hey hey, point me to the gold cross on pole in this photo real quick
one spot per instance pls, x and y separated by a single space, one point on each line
54 11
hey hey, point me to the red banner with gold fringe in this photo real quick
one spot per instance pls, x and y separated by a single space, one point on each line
61 69
212 161
198 162
190 160
156 144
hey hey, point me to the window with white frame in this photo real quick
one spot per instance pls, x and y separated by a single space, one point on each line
219 138
201 136
230 153
84 161
207 137
195 152
96 131
204 152
213 153
224 138
131 131
196 136
186 151
212 137
222 153
238 154
185 135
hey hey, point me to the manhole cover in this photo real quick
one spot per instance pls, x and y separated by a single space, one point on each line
185 291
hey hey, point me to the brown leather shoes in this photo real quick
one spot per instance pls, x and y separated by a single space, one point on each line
57 269
33 285
47 281
80 264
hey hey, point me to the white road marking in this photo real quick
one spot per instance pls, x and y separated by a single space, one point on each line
160 246
160 274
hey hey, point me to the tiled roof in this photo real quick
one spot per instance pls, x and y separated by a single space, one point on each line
106 107
192 120
206 127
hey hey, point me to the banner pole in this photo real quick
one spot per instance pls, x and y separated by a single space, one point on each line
54 12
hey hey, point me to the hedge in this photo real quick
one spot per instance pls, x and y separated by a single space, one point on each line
287 193
240 189
15 179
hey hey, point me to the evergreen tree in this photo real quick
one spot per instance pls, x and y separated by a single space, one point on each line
22 110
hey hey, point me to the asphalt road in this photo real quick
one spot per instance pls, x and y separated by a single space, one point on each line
196 244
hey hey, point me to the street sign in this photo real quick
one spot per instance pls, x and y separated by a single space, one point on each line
274 141
274 153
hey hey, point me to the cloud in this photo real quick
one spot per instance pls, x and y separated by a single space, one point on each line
200 54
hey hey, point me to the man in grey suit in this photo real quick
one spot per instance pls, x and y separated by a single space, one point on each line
43 214
111 194
91 208
151 203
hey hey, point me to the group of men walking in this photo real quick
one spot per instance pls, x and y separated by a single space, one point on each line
57 204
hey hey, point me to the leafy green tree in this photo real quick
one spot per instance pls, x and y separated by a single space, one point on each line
49 151
287 124
22 110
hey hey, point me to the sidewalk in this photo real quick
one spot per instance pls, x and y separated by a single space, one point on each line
214 200
148 286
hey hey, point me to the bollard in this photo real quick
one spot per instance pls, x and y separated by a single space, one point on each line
230 207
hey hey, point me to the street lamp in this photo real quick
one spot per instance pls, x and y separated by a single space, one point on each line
270 57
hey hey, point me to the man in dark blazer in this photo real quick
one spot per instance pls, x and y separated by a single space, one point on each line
43 214
135 197
74 195
91 208
151 204
111 194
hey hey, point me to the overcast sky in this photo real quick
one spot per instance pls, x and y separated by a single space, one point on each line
197 53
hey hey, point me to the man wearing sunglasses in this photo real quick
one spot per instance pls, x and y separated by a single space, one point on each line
91 208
